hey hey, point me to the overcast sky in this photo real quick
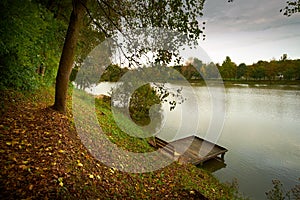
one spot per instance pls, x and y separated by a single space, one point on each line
249 30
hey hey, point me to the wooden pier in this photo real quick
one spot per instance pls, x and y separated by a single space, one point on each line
191 149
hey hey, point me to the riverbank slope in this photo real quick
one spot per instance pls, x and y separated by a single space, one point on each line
42 157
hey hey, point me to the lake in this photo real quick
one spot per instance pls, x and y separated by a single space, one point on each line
261 131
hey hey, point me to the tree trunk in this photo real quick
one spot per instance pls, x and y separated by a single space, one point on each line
67 56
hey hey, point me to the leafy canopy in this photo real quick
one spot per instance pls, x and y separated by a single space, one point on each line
30 36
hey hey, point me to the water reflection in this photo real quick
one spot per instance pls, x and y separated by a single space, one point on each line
213 165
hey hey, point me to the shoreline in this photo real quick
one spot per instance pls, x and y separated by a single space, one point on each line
282 85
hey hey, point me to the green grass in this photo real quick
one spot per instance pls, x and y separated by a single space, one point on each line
188 177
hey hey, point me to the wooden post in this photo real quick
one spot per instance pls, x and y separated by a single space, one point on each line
222 156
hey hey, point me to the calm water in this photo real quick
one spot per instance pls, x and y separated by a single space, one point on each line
261 131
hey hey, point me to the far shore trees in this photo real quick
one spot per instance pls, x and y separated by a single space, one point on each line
228 69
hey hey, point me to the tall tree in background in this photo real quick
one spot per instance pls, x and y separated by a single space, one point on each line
178 15
228 69
259 71
211 71
241 70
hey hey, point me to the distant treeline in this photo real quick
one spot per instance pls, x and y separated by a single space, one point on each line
195 69
283 69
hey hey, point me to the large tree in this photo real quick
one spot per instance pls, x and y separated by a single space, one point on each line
109 17
67 56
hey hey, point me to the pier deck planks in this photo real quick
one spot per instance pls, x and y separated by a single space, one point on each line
187 150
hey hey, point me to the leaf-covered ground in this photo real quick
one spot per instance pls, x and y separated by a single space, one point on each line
42 157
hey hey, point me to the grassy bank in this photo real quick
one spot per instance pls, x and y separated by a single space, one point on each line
42 157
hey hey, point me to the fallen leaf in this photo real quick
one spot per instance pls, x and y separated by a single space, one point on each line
23 167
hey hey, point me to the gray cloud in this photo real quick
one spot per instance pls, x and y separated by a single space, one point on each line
250 23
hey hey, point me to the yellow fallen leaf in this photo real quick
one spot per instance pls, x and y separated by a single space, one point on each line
30 187
91 176
23 167
80 164
176 154
61 151
61 184
112 170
